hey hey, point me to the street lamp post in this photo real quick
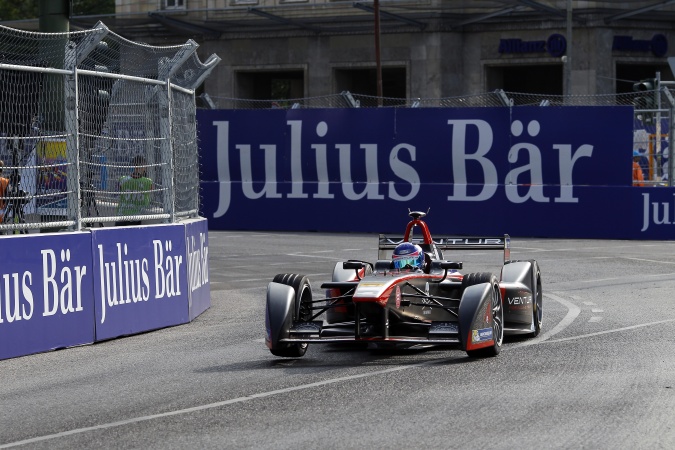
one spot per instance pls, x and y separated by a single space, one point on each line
567 64
378 63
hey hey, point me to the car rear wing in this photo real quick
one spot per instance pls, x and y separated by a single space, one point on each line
387 244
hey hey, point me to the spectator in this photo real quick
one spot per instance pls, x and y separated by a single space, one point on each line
665 166
135 192
638 176
4 182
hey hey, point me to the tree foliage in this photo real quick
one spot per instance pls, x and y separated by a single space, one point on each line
30 9
91 7
13 10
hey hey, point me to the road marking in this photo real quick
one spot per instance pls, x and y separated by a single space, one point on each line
648 260
595 319
572 313
304 255
233 401
588 303
616 330
652 275
597 310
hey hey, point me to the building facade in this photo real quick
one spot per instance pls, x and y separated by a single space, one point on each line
285 49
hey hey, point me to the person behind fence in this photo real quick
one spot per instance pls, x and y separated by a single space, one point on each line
4 182
638 176
135 192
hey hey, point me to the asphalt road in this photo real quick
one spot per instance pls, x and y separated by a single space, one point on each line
601 374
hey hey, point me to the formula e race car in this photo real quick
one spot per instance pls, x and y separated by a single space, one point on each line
409 299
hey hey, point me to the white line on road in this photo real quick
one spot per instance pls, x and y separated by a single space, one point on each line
651 275
247 398
616 330
648 260
572 312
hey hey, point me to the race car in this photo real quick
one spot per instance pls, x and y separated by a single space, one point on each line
413 298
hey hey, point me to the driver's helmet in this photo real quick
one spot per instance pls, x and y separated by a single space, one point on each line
408 256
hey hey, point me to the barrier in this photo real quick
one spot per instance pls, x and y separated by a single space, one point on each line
78 288
562 172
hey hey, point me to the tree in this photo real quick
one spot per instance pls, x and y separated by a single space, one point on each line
30 9
13 10
90 7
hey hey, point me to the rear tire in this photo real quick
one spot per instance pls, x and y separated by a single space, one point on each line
537 299
302 311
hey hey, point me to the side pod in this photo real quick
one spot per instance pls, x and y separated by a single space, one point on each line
518 272
474 315
278 313
521 290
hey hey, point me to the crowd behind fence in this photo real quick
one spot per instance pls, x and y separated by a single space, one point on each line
96 130
653 118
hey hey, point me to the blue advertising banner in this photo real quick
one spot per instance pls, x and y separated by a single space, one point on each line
526 171
197 251
140 279
654 212
46 298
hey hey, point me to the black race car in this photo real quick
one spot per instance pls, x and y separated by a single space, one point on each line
384 304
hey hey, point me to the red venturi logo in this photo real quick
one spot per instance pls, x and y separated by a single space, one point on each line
398 297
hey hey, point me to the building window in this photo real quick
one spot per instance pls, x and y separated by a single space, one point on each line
364 81
243 2
174 4
280 87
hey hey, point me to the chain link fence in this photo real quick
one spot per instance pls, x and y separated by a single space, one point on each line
489 99
96 129
653 115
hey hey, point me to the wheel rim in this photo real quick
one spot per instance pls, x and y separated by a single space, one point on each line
305 307
497 317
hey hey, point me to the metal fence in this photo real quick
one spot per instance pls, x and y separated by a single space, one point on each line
653 115
96 129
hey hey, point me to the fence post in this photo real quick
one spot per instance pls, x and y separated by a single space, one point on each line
166 149
72 137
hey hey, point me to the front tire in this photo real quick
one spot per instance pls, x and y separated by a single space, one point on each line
497 309
302 311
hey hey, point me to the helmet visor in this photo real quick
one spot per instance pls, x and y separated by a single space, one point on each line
402 263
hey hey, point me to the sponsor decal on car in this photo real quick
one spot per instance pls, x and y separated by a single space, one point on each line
306 327
398 297
482 335
444 327
426 301
521 301
369 288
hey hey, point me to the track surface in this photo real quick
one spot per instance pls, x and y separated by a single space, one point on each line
601 375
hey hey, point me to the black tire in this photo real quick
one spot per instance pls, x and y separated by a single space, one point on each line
301 311
537 299
471 279
497 314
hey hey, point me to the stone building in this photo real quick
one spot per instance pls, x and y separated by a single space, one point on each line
280 49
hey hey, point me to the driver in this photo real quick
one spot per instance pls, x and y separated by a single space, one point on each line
408 256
